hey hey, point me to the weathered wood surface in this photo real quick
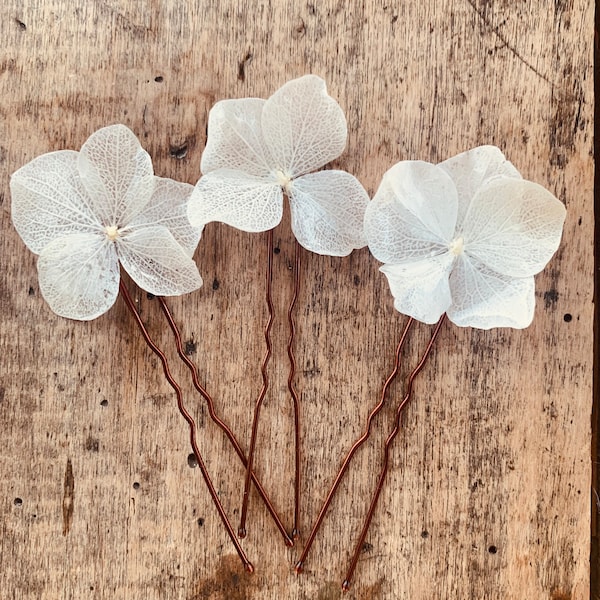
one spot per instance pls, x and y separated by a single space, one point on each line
489 490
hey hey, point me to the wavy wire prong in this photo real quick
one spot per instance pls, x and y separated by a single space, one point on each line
219 422
265 386
359 442
388 442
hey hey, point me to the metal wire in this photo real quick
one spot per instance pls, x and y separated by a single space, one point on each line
192 424
294 394
388 442
359 442
269 276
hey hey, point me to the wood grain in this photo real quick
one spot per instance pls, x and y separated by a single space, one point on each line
489 490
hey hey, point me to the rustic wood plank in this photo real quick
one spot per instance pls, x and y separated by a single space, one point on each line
488 495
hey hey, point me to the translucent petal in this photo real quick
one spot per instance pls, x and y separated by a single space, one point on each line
117 174
157 263
235 138
328 210
49 200
79 275
470 170
484 299
420 288
413 213
513 226
303 126
168 207
243 201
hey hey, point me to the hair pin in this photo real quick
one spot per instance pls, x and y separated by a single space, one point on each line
464 239
259 151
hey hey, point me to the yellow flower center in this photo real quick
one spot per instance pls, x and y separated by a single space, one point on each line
284 180
457 246
112 232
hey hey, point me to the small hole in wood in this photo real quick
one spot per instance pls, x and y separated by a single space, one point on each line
200 522
276 250
568 317
159 79
192 462
136 485
492 549
104 402
18 502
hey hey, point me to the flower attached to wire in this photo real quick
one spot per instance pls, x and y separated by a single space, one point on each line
85 212
463 237
257 150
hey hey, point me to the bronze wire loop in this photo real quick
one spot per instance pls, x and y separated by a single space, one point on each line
265 386
293 393
359 442
192 424
388 442
221 424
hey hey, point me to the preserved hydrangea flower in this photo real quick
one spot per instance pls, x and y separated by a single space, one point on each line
259 149
85 212
463 237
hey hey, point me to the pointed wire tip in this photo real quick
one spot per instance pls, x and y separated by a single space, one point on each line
299 567
289 542
295 533
242 532
249 568
345 585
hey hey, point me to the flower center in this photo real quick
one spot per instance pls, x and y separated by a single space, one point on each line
284 180
457 246
112 232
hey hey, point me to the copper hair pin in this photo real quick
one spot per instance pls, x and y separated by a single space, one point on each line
192 424
388 442
359 442
265 386
292 389
219 422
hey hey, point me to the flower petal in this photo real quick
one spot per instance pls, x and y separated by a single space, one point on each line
117 173
303 126
328 211
235 138
413 214
49 200
168 207
513 226
420 288
79 275
243 201
484 299
472 169
157 263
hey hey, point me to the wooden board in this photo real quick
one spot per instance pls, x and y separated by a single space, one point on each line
489 490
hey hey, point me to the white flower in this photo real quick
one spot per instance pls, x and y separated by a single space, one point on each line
259 149
464 237
84 212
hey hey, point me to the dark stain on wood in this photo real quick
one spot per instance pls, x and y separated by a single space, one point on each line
180 150
68 497
560 595
229 582
190 347
242 66
92 444
550 298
